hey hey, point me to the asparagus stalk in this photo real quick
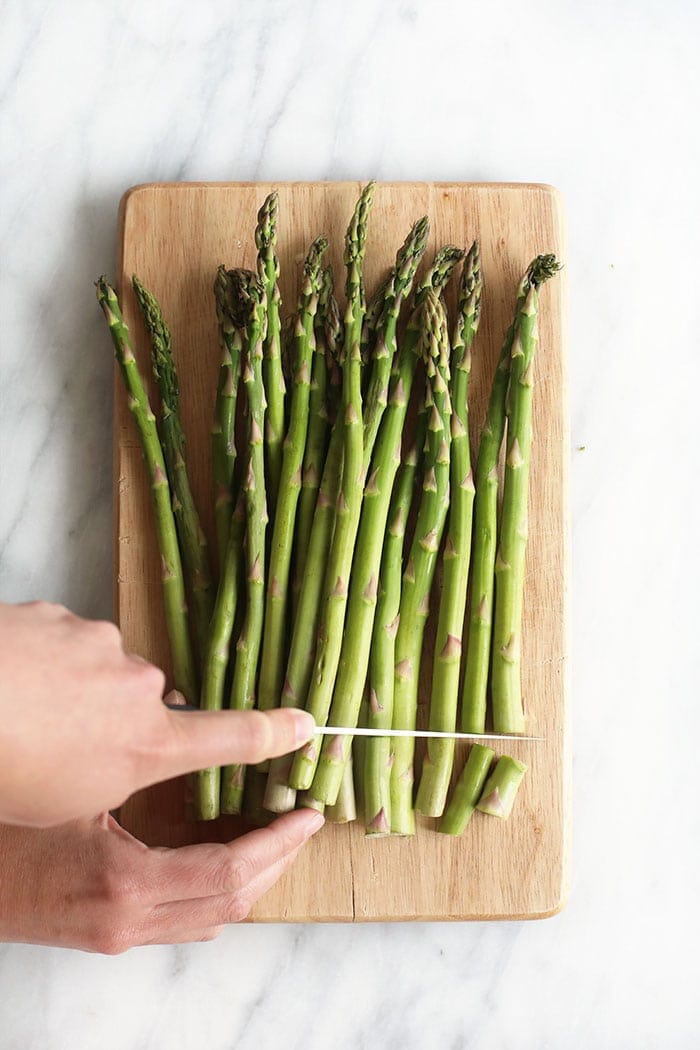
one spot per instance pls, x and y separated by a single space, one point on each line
327 330
274 642
279 796
467 791
273 378
344 809
354 658
314 526
184 671
484 541
501 788
377 757
216 658
193 544
508 715
437 767
223 438
420 568
248 296
349 500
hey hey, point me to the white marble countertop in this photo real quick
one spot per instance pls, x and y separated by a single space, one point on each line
599 99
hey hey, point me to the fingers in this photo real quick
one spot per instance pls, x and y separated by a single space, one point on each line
212 870
182 936
199 739
180 916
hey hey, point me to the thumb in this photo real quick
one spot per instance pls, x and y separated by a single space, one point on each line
200 739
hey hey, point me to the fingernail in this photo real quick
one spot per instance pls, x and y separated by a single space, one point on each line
304 726
316 821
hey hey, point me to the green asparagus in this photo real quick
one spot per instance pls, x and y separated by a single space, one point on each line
273 657
437 767
420 568
337 574
193 544
500 789
467 791
223 437
327 330
184 670
273 378
216 660
508 715
377 750
248 296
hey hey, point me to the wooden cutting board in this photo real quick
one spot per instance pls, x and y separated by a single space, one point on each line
174 236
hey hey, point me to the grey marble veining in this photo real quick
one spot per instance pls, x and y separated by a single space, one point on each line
598 99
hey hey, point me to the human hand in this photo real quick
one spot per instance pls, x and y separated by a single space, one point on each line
91 885
83 724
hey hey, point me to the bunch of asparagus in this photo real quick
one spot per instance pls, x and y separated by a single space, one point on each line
326 568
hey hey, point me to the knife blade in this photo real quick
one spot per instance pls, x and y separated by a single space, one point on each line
418 734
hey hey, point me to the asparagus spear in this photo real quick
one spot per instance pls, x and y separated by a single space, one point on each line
467 791
268 273
279 796
314 526
508 716
327 331
354 658
420 568
223 446
501 788
248 296
349 500
437 767
193 544
184 672
377 770
216 658
274 643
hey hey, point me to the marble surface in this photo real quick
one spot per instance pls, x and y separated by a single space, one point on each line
599 99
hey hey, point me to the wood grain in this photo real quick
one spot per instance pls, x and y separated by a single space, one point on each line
173 236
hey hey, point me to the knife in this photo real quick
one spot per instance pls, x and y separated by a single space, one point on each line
415 734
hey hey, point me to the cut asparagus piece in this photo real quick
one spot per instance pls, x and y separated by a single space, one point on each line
337 574
248 296
420 568
193 544
467 790
176 617
273 378
223 437
437 767
500 789
508 714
